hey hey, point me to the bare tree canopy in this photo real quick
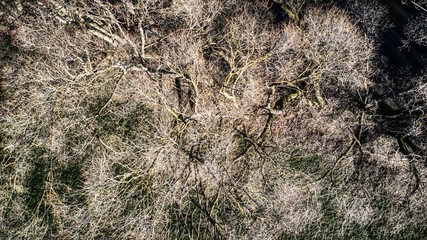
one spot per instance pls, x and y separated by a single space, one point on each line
194 119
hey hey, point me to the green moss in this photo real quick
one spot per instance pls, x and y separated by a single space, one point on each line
414 231
127 126
202 217
35 182
70 183
138 192
311 164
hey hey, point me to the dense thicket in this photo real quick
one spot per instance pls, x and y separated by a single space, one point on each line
192 119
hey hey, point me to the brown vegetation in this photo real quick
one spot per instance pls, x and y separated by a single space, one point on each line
197 119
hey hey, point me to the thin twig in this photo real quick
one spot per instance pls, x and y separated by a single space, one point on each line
114 91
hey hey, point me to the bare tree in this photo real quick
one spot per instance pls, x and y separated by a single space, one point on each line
190 119
416 30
